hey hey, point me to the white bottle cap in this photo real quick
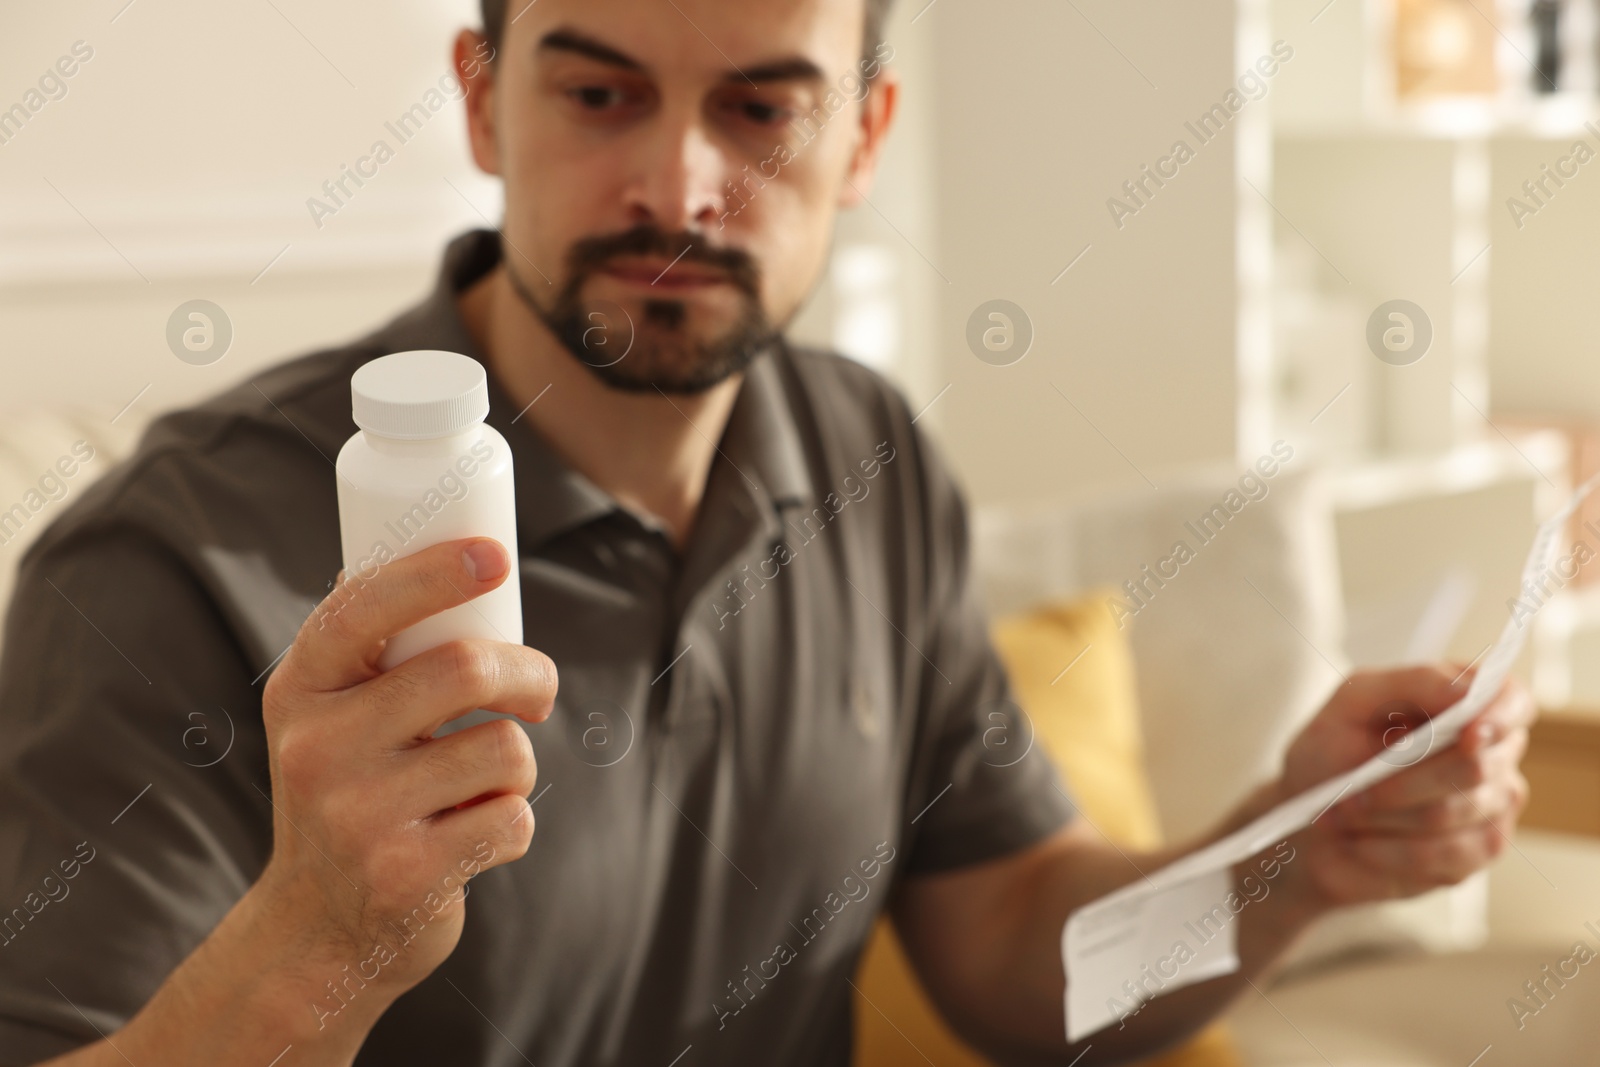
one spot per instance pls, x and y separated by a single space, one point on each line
413 395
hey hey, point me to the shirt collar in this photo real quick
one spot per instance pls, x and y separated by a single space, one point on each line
761 441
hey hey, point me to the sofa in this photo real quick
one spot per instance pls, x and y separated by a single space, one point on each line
1231 656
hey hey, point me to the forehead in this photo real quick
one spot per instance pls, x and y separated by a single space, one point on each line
705 38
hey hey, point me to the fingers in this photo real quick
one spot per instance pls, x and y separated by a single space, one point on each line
1424 692
1458 806
338 644
1416 863
413 699
1512 709
1439 776
1431 689
489 760
496 831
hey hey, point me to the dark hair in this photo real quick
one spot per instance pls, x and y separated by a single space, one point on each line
877 12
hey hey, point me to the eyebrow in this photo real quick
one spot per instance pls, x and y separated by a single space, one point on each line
572 41
792 68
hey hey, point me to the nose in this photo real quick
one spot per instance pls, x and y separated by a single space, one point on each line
680 177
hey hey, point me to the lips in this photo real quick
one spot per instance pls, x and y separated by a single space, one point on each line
664 273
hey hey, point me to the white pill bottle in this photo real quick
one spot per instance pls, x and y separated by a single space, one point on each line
424 468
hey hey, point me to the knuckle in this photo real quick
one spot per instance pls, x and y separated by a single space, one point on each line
420 579
1439 817
512 749
470 668
335 613
301 754
1437 672
503 825
516 834
276 697
545 674
1515 744
1442 861
394 692
1520 790
454 761
537 675
1414 855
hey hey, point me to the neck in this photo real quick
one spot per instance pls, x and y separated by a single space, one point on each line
650 451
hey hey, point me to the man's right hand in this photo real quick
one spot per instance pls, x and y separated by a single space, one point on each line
376 827
377 824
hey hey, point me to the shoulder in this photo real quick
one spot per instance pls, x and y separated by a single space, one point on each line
850 414
842 393
234 496
859 424
227 454
855 411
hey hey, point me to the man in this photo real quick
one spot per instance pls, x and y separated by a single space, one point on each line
751 571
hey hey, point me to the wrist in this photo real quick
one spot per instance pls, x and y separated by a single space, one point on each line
1301 899
247 994
318 990
1257 803
1304 899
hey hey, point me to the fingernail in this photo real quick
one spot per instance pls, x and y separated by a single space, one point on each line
484 560
1485 732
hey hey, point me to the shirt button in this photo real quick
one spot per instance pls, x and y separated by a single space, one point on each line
865 708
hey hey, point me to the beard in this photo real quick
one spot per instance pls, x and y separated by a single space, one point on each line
658 353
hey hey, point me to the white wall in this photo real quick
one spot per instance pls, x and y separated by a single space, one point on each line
1043 113
178 166
179 163
1542 325
190 143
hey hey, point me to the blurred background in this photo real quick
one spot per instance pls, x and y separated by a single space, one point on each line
1376 244
1201 320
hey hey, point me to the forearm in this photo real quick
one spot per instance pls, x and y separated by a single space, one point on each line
1012 1006
1272 915
249 992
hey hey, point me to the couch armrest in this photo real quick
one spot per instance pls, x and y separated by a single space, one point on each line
1563 768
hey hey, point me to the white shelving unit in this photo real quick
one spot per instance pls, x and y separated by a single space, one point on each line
1348 199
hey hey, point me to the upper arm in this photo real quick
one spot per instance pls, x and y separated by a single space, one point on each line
124 838
973 931
971 797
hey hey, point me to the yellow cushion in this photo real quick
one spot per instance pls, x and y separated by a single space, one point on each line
1087 720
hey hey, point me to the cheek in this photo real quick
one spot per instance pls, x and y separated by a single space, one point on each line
789 227
557 190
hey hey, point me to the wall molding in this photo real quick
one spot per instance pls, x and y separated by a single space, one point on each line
238 236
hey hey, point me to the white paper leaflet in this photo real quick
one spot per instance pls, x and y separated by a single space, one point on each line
1146 938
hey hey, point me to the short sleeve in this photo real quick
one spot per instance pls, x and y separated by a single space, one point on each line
130 749
984 789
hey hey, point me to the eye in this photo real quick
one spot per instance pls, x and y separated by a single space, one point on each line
763 113
596 97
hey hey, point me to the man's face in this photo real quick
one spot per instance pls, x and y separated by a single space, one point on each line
672 171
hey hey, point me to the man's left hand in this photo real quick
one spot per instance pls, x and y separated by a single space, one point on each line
1444 816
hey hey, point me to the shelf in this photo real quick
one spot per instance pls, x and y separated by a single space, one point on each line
1560 115
1382 482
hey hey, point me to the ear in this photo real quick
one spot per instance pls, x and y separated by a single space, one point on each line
878 109
474 62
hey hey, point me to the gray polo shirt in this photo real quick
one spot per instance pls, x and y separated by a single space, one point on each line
754 742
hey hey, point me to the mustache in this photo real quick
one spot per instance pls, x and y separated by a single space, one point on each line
591 254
